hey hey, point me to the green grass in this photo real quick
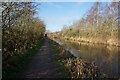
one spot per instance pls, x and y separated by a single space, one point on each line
16 67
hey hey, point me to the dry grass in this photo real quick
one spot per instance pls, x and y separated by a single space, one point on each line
76 67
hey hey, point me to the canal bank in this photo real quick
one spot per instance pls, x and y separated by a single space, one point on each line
74 66
110 41
106 58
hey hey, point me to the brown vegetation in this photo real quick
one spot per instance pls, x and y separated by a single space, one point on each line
20 33
98 25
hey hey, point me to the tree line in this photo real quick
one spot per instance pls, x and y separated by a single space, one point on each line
20 28
99 22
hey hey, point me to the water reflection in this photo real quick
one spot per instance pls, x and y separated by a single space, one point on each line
105 57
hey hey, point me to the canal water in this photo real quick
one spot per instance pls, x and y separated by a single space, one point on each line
107 58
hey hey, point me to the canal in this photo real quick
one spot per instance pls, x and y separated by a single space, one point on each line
107 58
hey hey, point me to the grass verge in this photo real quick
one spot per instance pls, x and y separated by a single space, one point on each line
59 57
